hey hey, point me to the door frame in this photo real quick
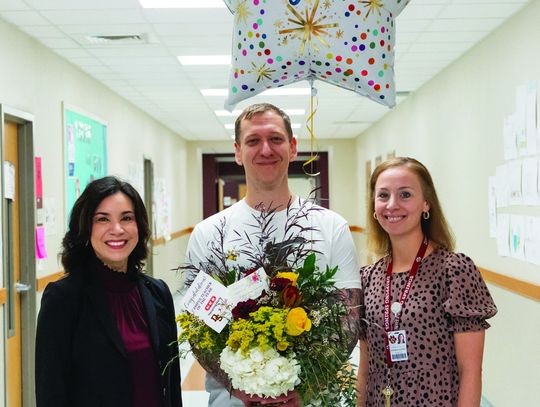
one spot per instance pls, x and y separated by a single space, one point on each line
216 164
148 171
25 140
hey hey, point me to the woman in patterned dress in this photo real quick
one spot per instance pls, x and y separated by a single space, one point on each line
420 289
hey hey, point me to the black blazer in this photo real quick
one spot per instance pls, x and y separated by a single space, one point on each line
80 356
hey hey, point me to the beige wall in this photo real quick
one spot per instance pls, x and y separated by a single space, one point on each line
37 81
454 125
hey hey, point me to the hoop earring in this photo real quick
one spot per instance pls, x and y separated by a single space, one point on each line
426 215
375 216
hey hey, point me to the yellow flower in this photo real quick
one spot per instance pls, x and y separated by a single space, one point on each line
289 275
282 346
297 322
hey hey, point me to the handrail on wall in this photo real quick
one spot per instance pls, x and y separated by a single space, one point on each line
514 285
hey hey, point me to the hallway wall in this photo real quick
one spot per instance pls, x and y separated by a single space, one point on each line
36 81
454 126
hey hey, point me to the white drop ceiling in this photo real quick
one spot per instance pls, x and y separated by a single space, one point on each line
431 34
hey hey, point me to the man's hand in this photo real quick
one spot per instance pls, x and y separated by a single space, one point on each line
291 399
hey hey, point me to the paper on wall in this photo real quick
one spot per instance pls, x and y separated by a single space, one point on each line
531 119
517 236
532 239
502 188
492 206
515 196
503 228
509 137
529 181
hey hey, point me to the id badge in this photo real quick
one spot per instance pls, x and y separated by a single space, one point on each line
398 346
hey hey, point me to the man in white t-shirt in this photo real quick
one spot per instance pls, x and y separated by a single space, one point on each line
264 146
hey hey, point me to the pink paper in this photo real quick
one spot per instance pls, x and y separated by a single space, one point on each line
41 250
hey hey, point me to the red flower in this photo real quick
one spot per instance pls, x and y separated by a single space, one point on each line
279 284
244 308
247 272
291 296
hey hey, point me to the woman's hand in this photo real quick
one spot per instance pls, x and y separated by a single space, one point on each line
291 399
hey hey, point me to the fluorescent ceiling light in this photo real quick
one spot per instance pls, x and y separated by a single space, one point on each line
214 92
204 59
182 3
290 112
269 92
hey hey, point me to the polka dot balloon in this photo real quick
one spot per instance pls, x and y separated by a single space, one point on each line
347 43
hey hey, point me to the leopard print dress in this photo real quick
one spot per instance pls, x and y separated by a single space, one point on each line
448 296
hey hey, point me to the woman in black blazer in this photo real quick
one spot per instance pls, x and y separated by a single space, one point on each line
106 333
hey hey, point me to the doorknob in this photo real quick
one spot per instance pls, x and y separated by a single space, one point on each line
21 287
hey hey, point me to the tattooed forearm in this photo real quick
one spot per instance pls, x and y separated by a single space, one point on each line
352 298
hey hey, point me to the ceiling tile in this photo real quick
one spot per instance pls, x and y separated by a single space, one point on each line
463 24
415 11
480 11
431 34
81 4
42 31
55 43
12 5
206 17
23 17
104 29
89 17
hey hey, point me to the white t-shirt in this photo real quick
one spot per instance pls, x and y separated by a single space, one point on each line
332 239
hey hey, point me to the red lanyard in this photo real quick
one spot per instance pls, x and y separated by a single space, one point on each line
402 299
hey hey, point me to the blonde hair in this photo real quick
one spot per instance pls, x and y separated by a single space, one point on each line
435 228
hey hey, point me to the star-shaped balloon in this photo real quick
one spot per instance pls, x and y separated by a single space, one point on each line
347 43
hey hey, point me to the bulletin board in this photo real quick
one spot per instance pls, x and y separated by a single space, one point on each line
85 152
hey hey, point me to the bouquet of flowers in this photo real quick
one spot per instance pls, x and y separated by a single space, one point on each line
288 336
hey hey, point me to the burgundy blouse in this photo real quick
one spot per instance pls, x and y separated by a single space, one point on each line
127 310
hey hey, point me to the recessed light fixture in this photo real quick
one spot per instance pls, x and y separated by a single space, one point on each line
182 3
290 112
269 92
204 59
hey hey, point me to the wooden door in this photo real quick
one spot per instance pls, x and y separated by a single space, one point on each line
13 272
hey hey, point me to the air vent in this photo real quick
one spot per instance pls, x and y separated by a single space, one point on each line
118 39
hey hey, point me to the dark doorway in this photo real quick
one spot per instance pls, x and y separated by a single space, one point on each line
224 180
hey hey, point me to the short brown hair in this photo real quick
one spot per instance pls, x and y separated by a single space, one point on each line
435 228
260 108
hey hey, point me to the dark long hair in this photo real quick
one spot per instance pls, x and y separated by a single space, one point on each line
76 248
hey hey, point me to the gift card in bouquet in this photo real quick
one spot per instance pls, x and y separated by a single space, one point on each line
207 299
249 287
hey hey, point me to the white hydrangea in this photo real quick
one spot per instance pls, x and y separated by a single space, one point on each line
264 373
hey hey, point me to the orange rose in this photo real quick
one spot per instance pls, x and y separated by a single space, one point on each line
291 296
297 322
